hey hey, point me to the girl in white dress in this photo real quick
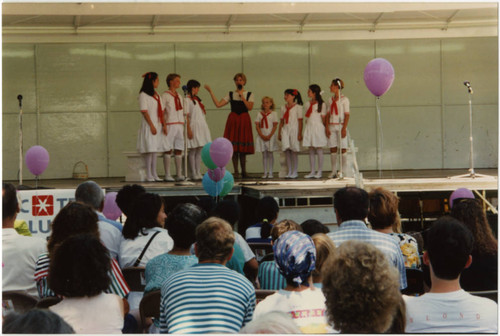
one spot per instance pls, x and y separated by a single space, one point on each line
153 123
197 129
336 124
314 134
290 130
266 124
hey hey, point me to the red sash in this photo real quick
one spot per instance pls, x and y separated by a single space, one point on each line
263 121
287 113
334 106
160 108
178 105
310 109
201 105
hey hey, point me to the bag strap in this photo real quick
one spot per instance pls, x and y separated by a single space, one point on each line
138 261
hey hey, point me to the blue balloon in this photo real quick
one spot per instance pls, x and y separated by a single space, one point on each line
212 188
228 181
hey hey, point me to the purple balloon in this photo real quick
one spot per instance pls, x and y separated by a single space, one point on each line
460 193
217 174
111 209
37 160
221 151
379 75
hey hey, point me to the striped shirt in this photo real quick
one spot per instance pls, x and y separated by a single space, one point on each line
206 298
117 285
270 276
357 230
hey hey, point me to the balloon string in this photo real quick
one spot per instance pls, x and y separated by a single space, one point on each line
380 139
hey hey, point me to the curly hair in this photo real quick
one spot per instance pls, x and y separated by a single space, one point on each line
324 248
80 267
282 227
383 210
143 216
470 212
214 239
75 218
181 223
361 289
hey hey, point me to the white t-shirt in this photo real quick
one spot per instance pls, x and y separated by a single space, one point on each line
307 309
131 249
247 251
454 312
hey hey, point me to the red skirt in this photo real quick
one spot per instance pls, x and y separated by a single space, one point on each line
239 131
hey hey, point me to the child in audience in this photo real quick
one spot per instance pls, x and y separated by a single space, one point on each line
198 133
314 134
313 226
267 211
266 124
290 130
324 248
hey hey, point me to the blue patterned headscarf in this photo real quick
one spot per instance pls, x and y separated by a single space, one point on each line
295 255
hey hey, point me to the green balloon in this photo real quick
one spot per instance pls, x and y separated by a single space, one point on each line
205 156
228 181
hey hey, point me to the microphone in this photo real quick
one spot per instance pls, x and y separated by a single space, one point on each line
240 86
185 89
469 88
20 98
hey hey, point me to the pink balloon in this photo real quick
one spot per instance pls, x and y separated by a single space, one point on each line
111 209
216 174
221 151
379 75
37 160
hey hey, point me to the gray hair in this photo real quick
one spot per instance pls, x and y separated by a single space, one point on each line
90 193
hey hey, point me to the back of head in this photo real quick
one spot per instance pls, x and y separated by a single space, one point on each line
313 226
295 255
472 215
73 219
144 215
90 193
282 227
214 240
351 203
35 321
384 210
324 248
266 212
181 224
449 244
274 322
10 204
358 267
459 194
79 267
127 195
229 210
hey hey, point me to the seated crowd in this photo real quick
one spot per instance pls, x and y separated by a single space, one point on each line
209 280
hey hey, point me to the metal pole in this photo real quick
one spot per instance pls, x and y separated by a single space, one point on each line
471 170
339 135
20 98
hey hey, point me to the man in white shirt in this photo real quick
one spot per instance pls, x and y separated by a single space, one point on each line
447 308
19 253
110 232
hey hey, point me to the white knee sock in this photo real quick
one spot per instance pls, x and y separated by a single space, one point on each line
312 160
344 164
198 160
192 164
289 163
319 152
178 164
270 163
264 161
333 159
166 164
295 162
148 158
154 159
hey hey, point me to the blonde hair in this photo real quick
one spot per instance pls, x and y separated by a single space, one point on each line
214 239
324 248
242 75
384 210
284 226
273 106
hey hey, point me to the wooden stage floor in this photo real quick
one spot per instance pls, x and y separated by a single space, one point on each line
429 180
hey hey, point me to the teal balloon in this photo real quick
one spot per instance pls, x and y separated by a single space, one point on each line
211 187
228 181
205 156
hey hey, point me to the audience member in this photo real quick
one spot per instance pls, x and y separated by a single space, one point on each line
243 260
91 193
267 211
351 206
384 218
447 308
208 297
269 273
313 226
73 219
19 253
460 194
126 197
275 322
324 248
295 256
483 272
79 273
143 232
35 321
361 289
181 224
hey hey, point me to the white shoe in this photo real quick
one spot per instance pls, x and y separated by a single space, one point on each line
332 175
293 176
168 178
270 176
180 178
150 179
263 176
157 179
318 175
310 175
197 177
